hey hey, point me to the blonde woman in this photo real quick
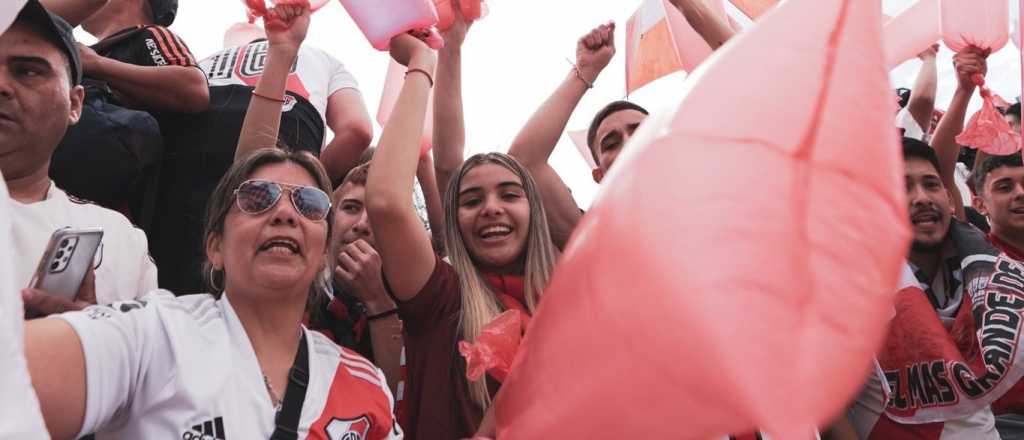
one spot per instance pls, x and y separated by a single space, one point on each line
498 242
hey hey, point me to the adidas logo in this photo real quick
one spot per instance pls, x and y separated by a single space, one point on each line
208 430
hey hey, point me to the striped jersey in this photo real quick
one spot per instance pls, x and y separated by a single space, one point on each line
165 367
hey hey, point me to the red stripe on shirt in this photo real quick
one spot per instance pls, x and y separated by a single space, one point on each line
166 42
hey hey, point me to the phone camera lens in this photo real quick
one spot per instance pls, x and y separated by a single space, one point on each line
54 266
64 243
60 253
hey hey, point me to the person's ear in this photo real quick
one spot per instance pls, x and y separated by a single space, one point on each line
597 174
979 205
77 96
213 251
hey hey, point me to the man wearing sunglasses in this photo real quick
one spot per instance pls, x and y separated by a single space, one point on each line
40 97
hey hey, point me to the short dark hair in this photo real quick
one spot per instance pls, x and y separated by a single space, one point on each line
991 164
605 112
357 176
1014 110
915 149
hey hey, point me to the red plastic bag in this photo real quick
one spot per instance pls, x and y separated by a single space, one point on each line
495 348
987 130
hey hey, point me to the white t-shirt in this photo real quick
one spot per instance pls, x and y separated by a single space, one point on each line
183 368
18 404
316 75
123 268
910 126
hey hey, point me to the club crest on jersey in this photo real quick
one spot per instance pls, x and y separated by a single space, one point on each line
352 429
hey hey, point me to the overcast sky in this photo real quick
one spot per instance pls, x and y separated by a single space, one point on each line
516 56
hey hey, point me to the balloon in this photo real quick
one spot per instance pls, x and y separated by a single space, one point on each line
757 300
381 20
393 81
754 8
660 41
471 10
8 12
911 32
981 23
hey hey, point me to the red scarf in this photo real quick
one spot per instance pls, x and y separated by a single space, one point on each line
511 291
496 346
1006 248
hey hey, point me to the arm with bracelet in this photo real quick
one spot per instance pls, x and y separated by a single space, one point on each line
263 117
536 141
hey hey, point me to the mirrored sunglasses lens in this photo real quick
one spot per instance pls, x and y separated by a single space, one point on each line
256 197
311 202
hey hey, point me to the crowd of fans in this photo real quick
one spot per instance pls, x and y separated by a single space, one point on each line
309 298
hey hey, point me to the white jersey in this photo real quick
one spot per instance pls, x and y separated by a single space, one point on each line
18 404
867 418
183 368
123 268
315 76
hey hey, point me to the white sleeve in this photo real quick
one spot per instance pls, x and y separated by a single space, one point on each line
906 121
22 418
341 78
147 269
119 341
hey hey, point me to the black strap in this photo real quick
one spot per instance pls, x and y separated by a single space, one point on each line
287 419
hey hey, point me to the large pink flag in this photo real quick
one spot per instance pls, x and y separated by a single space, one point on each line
756 300
660 41
754 8
911 32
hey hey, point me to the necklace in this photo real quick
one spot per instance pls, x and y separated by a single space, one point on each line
273 394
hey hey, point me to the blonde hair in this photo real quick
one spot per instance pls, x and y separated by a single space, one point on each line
479 303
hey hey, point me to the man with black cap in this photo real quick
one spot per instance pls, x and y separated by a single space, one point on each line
40 97
138 77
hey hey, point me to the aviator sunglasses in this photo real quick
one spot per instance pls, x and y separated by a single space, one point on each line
257 196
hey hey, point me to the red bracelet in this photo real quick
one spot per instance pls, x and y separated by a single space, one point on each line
254 93
429 77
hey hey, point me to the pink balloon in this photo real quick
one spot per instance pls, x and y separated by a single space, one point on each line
911 32
981 23
471 10
757 300
393 81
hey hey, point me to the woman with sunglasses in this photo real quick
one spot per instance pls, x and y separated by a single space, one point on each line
498 241
233 364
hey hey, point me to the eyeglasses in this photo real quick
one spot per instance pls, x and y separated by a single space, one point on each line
257 196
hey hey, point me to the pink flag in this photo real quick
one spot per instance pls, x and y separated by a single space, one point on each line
911 32
757 300
579 138
392 86
660 41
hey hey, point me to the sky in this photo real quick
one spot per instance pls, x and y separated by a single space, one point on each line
516 56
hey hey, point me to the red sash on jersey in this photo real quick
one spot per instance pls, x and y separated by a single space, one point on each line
937 374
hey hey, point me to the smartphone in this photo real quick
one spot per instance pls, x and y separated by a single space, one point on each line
68 256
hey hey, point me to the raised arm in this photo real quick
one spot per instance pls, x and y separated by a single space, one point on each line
712 28
432 199
922 96
168 81
536 141
74 11
968 63
449 135
404 247
263 117
353 132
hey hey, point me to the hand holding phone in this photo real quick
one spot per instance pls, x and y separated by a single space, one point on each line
39 303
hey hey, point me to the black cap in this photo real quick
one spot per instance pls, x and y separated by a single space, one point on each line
164 11
57 31
904 94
